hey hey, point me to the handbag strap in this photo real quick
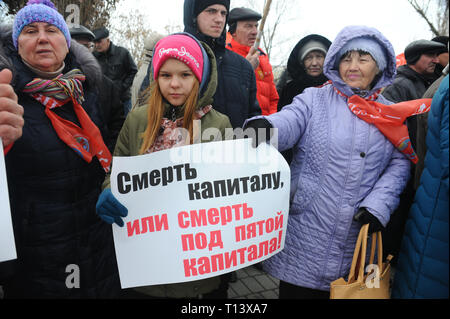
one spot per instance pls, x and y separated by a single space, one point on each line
377 241
380 252
372 248
359 255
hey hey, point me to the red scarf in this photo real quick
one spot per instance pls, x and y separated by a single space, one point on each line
390 119
86 140
7 148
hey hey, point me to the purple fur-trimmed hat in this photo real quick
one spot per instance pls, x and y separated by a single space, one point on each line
39 11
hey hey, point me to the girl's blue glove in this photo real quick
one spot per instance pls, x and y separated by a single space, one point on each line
110 209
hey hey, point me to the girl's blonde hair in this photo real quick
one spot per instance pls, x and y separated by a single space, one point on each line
155 114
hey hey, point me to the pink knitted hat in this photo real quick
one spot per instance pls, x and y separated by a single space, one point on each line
181 47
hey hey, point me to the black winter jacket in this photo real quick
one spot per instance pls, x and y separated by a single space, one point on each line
53 193
407 85
118 65
297 79
112 111
236 90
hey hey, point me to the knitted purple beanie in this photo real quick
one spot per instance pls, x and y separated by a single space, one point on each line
39 11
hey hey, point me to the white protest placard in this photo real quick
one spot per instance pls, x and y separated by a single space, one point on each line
199 211
7 244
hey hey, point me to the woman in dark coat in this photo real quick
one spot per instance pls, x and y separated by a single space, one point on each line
56 168
304 70
299 77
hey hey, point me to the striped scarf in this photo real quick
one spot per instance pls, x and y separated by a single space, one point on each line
62 88
86 140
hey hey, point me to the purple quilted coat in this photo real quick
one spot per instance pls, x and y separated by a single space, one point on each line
340 163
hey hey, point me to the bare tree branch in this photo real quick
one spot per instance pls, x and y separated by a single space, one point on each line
441 14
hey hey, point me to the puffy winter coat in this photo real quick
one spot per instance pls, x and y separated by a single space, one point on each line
266 93
236 89
340 163
53 193
422 269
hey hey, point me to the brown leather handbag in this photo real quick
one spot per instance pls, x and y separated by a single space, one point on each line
370 283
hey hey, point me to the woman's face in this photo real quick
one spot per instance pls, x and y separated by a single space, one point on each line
358 70
313 63
43 46
176 81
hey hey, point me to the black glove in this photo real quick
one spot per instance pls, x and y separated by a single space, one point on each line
257 124
364 217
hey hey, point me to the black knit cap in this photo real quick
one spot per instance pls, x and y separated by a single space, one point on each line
201 5
415 49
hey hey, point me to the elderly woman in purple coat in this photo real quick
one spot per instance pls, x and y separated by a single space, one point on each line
344 172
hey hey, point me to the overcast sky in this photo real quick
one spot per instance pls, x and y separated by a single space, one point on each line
396 19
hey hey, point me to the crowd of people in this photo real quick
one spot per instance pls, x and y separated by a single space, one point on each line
70 99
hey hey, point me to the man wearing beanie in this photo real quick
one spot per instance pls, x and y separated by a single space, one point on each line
411 82
117 64
243 28
236 90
